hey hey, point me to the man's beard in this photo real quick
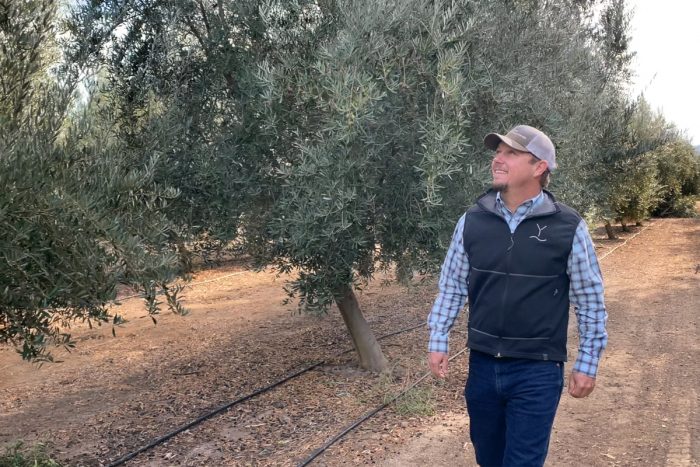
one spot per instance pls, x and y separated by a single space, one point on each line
502 187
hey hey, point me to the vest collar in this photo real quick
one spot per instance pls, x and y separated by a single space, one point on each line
548 206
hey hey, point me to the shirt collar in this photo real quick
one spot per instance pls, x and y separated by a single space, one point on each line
529 204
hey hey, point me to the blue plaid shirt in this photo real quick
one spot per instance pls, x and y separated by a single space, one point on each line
585 291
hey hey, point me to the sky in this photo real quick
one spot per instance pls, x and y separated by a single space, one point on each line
666 37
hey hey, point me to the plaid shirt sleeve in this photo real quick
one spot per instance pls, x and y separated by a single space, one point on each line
586 295
452 292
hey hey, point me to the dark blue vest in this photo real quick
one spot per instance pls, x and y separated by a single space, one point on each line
518 283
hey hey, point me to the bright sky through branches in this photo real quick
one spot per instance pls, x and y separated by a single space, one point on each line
666 36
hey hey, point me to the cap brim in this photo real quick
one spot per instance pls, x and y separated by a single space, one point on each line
492 140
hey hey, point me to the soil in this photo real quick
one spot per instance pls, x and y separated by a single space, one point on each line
113 395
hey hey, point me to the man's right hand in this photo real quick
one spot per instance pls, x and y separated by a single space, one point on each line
437 361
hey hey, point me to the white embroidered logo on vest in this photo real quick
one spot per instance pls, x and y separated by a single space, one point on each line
537 237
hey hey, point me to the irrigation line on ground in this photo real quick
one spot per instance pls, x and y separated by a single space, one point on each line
208 415
628 239
228 405
367 416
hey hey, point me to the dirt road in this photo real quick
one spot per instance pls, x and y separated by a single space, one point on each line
111 396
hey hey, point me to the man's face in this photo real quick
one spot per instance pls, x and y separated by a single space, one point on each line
511 168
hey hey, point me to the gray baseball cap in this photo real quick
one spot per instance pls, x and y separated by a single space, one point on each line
528 139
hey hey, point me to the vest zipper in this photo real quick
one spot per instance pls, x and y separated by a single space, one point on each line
501 322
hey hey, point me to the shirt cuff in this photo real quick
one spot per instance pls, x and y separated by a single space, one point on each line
439 342
586 365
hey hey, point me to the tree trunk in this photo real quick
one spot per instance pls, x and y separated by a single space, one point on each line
366 345
609 231
185 256
625 227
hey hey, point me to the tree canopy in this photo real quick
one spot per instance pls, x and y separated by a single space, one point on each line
77 219
323 138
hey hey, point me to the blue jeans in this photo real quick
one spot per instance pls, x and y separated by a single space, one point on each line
511 404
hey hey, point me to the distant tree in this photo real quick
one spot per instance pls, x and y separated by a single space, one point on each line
679 179
649 168
638 192
606 135
635 190
76 222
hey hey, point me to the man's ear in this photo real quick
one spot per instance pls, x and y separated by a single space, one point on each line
541 167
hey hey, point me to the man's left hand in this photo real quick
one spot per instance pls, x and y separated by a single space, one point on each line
580 385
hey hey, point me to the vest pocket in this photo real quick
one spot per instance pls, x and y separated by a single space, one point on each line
535 307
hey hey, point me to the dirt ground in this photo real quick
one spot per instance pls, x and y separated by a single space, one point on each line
111 396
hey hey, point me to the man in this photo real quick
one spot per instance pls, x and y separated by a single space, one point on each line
520 257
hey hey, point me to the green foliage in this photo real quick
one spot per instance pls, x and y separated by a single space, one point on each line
366 174
180 81
679 179
334 137
323 137
20 456
638 192
395 105
76 219
683 206
633 186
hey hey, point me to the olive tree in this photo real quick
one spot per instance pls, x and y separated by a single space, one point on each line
76 222
373 171
679 178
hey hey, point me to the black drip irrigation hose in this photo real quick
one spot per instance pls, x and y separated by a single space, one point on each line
208 415
228 405
366 417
